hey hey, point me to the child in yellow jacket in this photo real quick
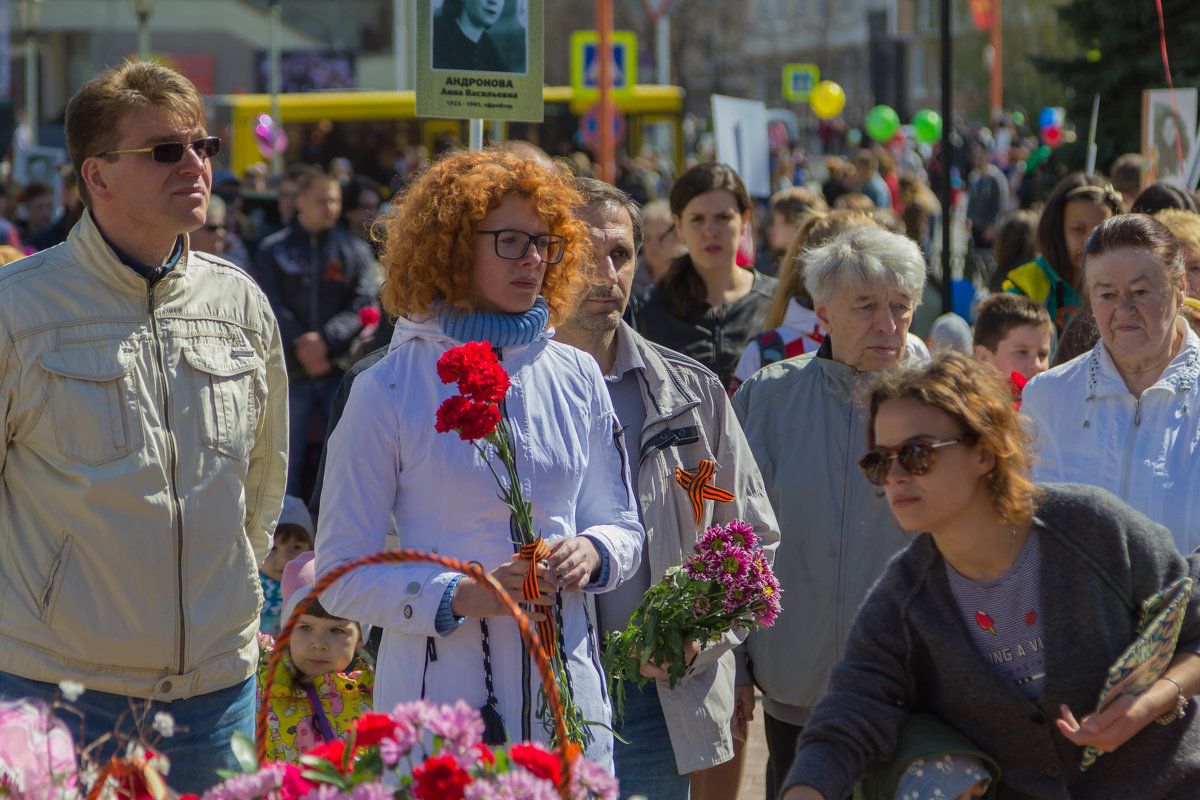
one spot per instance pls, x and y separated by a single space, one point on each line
313 699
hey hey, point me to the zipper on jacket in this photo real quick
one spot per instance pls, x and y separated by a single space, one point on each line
172 477
719 339
1129 440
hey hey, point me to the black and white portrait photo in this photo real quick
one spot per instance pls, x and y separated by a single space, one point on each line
480 35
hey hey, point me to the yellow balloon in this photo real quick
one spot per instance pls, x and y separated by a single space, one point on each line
827 100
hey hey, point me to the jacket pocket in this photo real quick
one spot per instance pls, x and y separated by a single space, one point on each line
54 580
227 411
93 399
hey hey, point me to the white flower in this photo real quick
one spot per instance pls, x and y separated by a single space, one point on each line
71 690
164 723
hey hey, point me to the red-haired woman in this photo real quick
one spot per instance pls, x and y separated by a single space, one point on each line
482 247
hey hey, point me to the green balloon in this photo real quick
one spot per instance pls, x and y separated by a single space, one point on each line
882 123
927 125
1036 158
1018 118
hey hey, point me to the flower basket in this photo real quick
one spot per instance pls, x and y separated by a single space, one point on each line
567 751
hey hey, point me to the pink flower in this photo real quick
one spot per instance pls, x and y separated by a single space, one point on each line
37 748
459 725
523 784
696 568
589 779
742 535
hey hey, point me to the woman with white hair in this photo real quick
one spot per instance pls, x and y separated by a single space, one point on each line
806 431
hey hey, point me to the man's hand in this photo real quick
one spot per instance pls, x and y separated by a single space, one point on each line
313 354
651 670
743 712
573 563
473 599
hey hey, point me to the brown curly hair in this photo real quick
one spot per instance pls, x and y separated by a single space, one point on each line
427 234
975 396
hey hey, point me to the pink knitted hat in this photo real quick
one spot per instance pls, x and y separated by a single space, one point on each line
298 578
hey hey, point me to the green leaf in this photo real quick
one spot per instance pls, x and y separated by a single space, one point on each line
244 751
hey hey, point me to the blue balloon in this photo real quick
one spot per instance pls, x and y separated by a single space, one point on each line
1047 117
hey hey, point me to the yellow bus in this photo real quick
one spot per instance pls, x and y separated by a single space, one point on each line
374 129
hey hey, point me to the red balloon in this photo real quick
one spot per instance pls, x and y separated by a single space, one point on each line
1052 135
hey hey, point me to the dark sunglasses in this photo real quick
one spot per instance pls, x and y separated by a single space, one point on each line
172 152
915 457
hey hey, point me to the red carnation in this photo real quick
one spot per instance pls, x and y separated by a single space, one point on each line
371 729
368 316
333 752
541 763
458 362
440 778
470 419
484 754
486 382
294 787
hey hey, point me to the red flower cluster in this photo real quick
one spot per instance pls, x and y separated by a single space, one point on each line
477 370
472 420
540 762
372 728
334 753
440 778
482 382
368 316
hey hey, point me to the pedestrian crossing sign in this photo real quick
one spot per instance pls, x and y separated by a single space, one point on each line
585 63
799 80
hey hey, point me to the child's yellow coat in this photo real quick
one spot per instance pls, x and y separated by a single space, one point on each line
291 729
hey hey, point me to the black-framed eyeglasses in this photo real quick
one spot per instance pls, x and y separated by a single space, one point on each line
513 244
214 228
172 152
916 457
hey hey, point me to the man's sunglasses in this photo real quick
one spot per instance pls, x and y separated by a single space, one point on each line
915 457
172 152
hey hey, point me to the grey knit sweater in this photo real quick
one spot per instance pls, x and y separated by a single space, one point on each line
909 650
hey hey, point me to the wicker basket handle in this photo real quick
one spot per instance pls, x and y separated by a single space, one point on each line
566 752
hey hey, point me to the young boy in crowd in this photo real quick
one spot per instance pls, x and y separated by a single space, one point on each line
293 536
1013 333
314 697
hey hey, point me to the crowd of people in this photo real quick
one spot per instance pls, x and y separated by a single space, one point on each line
205 413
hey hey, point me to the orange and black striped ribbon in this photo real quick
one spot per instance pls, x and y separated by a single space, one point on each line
698 487
533 553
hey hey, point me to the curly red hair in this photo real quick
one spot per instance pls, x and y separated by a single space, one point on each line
427 236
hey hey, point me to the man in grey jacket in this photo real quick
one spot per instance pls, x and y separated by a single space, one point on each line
807 429
675 414
143 460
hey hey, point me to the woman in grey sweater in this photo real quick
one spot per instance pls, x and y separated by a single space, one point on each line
1002 618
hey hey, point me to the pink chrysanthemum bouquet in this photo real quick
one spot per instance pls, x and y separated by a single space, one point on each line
725 584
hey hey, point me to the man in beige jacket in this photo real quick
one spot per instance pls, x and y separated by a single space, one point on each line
145 439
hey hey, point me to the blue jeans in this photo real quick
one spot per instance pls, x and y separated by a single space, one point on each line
204 726
646 765
305 398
